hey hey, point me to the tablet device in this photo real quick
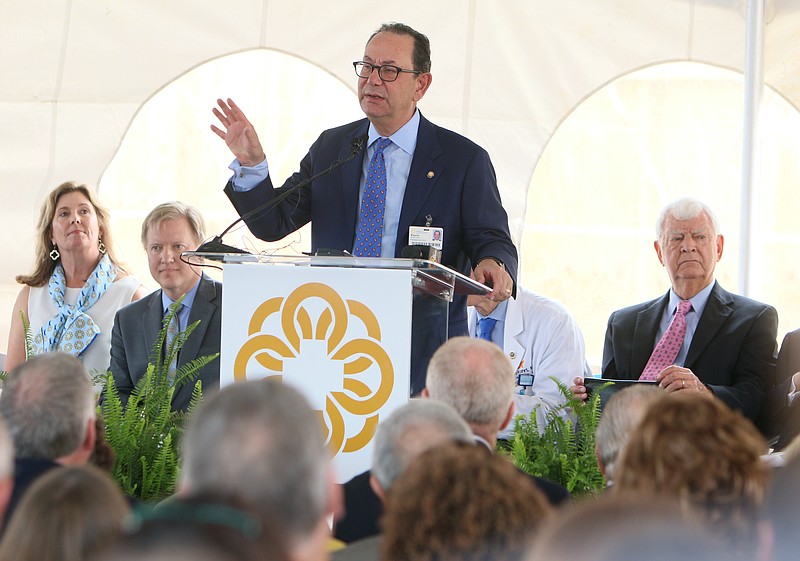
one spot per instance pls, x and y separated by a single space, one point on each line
593 384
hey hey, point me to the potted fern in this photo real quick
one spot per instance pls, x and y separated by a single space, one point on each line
563 451
145 433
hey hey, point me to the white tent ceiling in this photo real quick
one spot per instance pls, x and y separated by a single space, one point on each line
75 72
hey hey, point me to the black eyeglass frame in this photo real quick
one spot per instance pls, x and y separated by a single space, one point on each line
380 68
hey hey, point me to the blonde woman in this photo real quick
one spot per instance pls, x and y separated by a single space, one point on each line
77 284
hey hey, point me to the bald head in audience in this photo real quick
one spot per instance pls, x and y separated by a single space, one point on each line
477 380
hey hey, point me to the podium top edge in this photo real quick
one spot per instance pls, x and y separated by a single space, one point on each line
421 265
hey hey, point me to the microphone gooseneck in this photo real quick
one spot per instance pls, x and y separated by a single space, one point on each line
216 245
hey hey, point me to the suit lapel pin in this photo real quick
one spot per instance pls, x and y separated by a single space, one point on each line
431 174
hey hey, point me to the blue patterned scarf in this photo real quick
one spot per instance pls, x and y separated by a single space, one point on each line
71 330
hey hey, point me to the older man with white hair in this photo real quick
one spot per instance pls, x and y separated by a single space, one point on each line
698 337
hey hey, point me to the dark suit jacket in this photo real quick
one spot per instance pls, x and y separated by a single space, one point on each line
787 418
26 472
732 351
363 508
136 327
451 180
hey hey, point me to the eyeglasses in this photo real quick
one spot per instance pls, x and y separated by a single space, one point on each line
386 72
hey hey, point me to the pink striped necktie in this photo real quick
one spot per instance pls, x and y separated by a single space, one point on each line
667 348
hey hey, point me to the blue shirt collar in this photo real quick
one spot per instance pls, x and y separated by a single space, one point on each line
188 300
405 138
698 301
499 313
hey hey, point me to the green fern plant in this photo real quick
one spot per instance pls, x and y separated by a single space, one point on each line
145 433
562 451
26 328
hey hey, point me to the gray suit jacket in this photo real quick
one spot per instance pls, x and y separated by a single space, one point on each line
136 328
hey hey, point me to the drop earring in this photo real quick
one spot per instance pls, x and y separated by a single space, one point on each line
101 246
54 255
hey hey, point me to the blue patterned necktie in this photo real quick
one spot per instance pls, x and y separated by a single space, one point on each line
485 327
373 203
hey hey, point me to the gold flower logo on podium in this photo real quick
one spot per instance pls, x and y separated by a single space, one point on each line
315 334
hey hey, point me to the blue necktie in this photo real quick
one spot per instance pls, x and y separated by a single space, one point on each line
373 203
485 327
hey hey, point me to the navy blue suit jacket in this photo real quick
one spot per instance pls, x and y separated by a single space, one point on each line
136 328
732 351
451 180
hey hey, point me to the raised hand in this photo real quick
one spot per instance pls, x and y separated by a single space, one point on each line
239 133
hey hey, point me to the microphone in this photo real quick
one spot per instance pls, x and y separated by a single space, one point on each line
216 245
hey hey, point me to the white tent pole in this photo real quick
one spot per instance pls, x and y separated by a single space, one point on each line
753 89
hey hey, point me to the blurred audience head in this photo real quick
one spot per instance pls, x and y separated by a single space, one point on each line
460 502
49 406
781 539
260 442
626 528
103 455
6 468
620 416
477 380
67 514
408 431
703 453
196 529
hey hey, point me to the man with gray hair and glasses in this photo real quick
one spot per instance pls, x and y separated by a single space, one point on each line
260 443
48 404
402 178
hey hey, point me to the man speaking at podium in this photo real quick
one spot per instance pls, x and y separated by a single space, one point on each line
403 174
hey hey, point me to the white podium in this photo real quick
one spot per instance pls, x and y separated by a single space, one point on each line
336 328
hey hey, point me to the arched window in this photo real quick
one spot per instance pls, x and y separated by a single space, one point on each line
170 153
